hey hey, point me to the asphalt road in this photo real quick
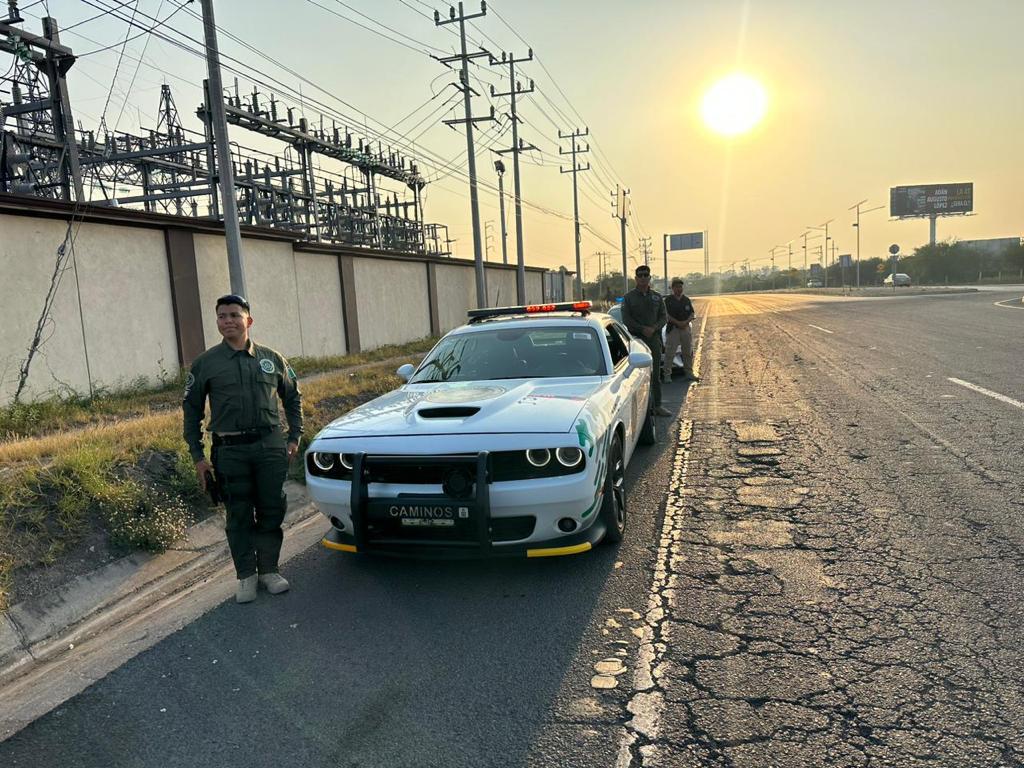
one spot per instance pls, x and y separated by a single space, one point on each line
824 567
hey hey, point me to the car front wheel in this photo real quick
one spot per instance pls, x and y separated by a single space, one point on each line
613 507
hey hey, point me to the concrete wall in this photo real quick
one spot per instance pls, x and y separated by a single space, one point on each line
111 317
143 297
271 281
456 293
393 302
534 287
320 311
501 287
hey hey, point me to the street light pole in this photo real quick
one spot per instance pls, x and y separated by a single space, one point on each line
857 225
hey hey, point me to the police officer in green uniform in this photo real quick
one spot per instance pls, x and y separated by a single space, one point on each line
643 313
250 454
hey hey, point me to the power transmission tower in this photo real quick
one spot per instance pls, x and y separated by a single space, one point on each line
467 91
514 89
574 150
488 238
622 214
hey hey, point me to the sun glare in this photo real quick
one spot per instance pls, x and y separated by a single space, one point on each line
734 105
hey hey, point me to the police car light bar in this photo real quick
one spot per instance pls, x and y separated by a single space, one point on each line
530 309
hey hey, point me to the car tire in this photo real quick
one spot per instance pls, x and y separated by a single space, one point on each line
649 431
613 506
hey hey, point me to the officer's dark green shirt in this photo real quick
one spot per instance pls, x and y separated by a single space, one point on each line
241 385
639 309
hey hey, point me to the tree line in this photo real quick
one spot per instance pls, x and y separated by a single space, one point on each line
950 262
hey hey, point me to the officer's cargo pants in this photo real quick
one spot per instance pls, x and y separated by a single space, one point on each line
252 477
654 344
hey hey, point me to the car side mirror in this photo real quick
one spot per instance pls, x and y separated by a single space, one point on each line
406 371
639 356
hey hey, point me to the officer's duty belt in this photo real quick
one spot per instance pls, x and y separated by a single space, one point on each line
244 437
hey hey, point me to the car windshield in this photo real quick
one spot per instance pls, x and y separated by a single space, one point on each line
514 353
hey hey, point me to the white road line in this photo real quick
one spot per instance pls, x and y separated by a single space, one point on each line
1015 303
989 392
826 330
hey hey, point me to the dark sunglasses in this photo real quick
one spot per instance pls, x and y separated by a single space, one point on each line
643 274
233 298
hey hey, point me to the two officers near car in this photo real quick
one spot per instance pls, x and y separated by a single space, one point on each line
243 381
643 314
680 313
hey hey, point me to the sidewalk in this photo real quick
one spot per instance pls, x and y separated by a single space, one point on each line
54 646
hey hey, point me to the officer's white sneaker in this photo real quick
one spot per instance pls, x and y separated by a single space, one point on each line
246 591
274 583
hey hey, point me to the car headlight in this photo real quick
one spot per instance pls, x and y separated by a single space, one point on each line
569 457
329 464
325 461
538 457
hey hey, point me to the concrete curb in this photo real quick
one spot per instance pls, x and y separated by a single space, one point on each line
36 630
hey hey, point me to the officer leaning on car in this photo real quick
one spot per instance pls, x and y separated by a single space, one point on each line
250 454
680 316
643 313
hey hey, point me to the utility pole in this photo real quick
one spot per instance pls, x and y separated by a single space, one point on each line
500 168
622 214
804 236
645 244
789 274
574 150
774 248
600 271
225 170
488 238
469 121
824 252
514 89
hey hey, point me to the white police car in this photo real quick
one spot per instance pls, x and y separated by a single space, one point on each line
511 437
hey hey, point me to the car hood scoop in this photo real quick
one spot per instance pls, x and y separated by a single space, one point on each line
448 412
493 407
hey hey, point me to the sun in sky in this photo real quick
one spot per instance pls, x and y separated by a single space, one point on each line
734 105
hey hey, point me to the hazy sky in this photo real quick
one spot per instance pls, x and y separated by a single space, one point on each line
861 96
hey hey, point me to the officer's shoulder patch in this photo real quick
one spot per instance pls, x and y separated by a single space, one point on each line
291 373
267 365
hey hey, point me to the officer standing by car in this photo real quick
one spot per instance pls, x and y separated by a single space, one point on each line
250 454
643 313
680 313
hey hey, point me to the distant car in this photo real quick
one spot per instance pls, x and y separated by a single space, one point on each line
677 359
901 279
815 283
511 437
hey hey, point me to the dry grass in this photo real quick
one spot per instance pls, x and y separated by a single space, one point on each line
52 484
74 411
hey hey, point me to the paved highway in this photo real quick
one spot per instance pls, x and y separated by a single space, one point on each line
824 567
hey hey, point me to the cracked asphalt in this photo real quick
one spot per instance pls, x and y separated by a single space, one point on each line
839 579
823 568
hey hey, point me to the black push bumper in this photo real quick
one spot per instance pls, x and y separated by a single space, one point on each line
469 540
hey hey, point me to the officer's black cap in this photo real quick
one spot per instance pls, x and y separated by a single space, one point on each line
677 281
644 269
233 298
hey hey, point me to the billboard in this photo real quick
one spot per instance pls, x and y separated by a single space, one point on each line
931 199
686 242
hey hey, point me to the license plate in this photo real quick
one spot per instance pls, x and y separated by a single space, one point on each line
423 515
